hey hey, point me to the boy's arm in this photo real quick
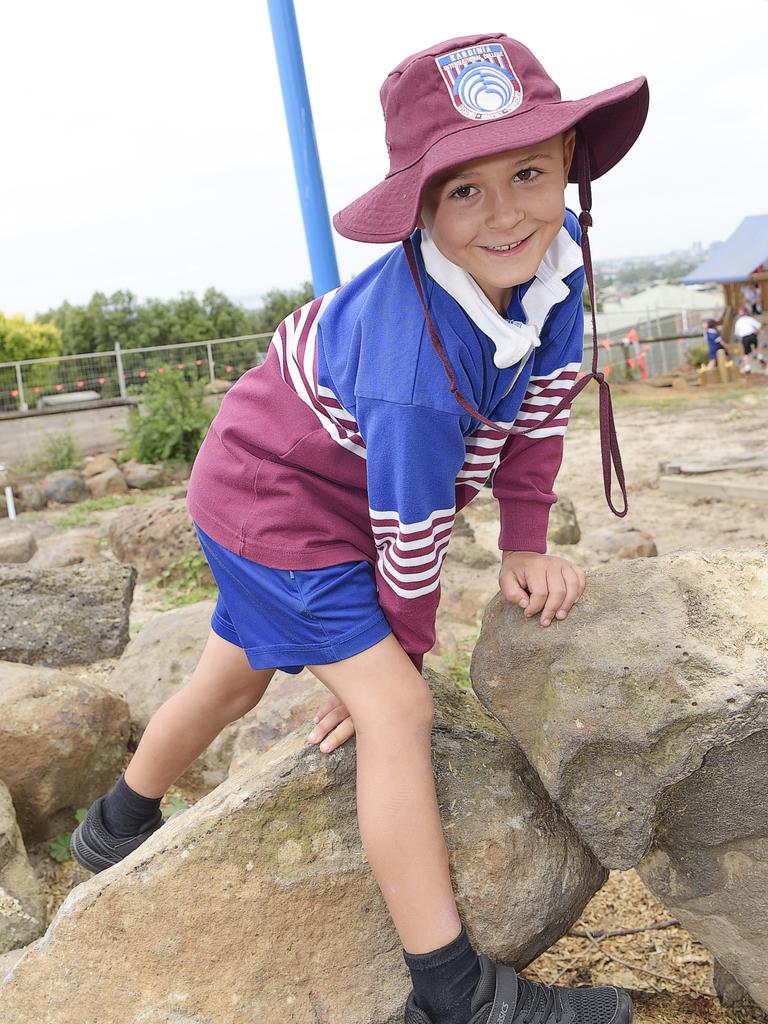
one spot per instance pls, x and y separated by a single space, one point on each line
413 457
525 475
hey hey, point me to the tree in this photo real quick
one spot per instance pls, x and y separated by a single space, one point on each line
22 339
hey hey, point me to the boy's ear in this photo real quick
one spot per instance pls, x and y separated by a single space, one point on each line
569 146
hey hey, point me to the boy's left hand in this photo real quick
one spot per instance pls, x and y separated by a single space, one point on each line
537 582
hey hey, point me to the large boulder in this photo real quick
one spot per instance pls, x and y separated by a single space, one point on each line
143 475
62 743
17 543
95 465
259 903
68 548
153 536
22 904
65 486
645 715
111 481
64 616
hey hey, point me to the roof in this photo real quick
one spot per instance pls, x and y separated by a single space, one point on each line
658 301
736 257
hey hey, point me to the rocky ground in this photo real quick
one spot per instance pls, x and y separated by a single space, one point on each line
668 972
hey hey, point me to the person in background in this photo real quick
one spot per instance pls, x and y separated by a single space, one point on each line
714 342
746 331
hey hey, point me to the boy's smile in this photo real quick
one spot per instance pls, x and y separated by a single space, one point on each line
497 216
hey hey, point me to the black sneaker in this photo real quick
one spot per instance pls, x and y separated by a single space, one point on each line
94 846
503 997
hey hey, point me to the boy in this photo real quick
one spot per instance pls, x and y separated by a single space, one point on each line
325 491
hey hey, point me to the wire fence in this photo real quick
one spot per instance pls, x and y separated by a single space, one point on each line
657 344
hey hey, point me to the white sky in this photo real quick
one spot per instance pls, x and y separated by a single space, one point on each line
146 146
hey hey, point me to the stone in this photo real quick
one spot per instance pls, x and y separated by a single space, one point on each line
563 524
466 550
620 541
143 475
72 547
22 902
645 715
153 536
17 543
271 864
65 616
111 481
31 498
97 464
65 486
62 743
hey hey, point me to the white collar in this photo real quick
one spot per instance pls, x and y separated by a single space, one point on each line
513 340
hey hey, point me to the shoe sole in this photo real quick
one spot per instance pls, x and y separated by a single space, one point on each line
87 857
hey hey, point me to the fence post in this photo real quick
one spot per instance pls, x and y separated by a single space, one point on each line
120 371
210 361
20 385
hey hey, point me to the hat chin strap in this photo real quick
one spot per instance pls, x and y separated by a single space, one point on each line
609 444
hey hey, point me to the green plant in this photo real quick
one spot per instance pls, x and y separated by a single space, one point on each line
57 451
58 847
185 580
173 421
458 662
698 354
173 804
78 515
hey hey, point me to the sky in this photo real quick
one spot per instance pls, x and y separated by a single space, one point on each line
146 146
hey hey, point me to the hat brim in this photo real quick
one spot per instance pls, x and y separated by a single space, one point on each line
609 121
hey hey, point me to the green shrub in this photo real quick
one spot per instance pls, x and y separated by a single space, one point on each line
173 421
57 451
698 354
184 581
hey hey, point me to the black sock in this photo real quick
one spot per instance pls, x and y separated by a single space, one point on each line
125 811
444 980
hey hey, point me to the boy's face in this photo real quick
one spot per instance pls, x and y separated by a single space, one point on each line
515 196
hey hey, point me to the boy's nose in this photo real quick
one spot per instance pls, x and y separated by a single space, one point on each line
504 215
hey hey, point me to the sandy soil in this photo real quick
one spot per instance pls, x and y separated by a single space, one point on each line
667 971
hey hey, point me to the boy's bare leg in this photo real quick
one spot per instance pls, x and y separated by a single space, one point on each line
398 813
222 689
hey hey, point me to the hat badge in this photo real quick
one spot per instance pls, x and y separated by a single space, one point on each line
481 81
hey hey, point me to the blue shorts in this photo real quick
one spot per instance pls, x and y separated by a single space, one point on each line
289 618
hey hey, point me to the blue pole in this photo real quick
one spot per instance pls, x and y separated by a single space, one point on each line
306 162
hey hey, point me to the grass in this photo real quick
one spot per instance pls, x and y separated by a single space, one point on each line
457 663
184 581
81 513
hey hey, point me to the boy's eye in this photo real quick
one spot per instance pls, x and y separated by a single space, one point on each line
462 192
529 171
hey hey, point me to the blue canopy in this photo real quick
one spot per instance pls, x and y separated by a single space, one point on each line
736 257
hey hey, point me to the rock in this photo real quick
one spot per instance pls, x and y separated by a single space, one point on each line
620 541
464 549
65 486
22 903
62 743
95 465
64 616
9 960
143 476
291 703
111 481
646 717
7 479
563 524
729 991
271 864
17 543
31 498
69 548
153 536
462 528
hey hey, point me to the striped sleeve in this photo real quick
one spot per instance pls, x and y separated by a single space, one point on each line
524 478
414 456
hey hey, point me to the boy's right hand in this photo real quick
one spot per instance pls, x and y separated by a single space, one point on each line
333 725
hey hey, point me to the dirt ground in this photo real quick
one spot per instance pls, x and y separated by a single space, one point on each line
668 973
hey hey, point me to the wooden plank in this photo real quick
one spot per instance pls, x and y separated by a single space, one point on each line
713 489
738 463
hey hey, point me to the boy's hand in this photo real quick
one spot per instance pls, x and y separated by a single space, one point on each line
537 582
333 726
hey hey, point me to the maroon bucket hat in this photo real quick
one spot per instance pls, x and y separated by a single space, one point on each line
476 96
